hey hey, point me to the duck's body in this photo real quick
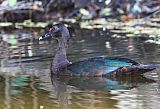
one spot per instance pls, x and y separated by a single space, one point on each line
101 66
97 66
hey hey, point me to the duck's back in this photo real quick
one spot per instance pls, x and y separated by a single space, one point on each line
99 65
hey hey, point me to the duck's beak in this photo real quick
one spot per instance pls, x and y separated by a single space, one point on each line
47 35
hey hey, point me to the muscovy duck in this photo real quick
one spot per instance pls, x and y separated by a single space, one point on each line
96 66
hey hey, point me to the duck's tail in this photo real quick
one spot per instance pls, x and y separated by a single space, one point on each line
141 69
134 70
146 68
150 66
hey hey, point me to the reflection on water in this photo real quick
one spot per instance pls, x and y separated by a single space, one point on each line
25 81
96 89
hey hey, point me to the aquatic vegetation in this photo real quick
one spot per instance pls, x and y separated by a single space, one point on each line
6 24
30 24
25 24
134 28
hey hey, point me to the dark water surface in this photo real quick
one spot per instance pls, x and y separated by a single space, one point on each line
25 81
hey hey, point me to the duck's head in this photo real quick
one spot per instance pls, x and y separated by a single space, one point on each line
57 31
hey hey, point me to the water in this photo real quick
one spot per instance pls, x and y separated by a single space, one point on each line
25 81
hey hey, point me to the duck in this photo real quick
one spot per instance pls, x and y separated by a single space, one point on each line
90 67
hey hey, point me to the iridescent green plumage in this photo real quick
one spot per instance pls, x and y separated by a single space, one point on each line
105 64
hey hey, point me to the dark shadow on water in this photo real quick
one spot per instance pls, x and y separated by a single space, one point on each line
97 85
102 84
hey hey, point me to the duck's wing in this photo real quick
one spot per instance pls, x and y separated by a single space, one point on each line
100 65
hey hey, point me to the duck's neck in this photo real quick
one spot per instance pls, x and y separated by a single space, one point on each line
60 59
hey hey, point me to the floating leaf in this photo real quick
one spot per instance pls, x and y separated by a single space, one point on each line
12 2
84 12
6 24
105 12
